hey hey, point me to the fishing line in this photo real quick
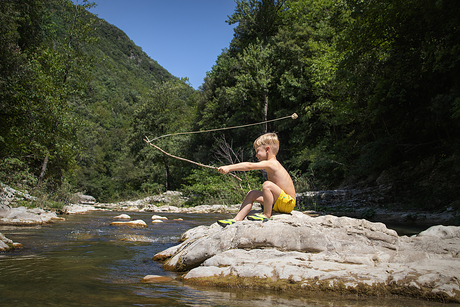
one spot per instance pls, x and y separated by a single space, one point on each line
293 116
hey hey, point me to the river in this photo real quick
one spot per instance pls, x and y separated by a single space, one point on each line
84 261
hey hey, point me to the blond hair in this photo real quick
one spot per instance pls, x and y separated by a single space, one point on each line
268 139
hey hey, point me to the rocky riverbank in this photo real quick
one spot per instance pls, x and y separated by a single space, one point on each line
374 204
364 203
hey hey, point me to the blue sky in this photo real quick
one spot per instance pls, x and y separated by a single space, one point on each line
183 36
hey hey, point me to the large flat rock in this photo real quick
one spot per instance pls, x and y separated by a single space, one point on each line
327 253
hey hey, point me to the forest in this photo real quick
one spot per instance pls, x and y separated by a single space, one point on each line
375 85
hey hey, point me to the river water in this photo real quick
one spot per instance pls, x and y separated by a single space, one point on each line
84 261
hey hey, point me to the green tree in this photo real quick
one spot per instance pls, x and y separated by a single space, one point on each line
38 126
20 35
254 78
400 67
257 20
305 74
238 89
166 111
65 68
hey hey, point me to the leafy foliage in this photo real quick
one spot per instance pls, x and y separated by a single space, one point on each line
41 74
207 187
161 114
374 83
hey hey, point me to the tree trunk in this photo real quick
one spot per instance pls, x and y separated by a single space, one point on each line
44 166
167 174
266 111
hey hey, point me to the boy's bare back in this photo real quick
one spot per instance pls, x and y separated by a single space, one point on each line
277 174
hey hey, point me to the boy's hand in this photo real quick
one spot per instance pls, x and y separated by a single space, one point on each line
223 169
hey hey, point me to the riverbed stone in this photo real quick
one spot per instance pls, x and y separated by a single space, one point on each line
136 223
155 279
4 246
159 217
122 217
332 253
82 199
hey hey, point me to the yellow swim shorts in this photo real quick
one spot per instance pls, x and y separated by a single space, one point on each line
284 204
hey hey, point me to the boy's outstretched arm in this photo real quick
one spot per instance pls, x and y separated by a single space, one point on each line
243 166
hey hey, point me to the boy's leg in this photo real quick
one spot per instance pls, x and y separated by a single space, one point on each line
270 192
246 206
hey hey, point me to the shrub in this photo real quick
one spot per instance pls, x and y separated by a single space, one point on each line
208 187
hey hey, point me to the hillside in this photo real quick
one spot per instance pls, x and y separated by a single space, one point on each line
122 80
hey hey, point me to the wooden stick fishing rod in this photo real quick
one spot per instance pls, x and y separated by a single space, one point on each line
186 160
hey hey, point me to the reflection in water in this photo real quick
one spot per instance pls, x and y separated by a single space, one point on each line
86 262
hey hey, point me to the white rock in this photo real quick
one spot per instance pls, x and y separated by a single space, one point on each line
136 223
158 217
122 217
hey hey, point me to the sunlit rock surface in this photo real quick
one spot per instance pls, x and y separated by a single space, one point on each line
327 253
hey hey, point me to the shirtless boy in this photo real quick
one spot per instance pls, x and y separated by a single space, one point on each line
278 191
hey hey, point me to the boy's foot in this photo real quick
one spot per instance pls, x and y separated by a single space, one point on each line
224 223
258 217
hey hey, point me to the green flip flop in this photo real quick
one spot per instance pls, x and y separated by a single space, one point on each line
224 223
259 217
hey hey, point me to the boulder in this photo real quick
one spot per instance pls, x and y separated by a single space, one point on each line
138 238
5 243
78 209
165 208
325 253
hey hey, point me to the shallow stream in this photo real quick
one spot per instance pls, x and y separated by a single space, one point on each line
84 261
